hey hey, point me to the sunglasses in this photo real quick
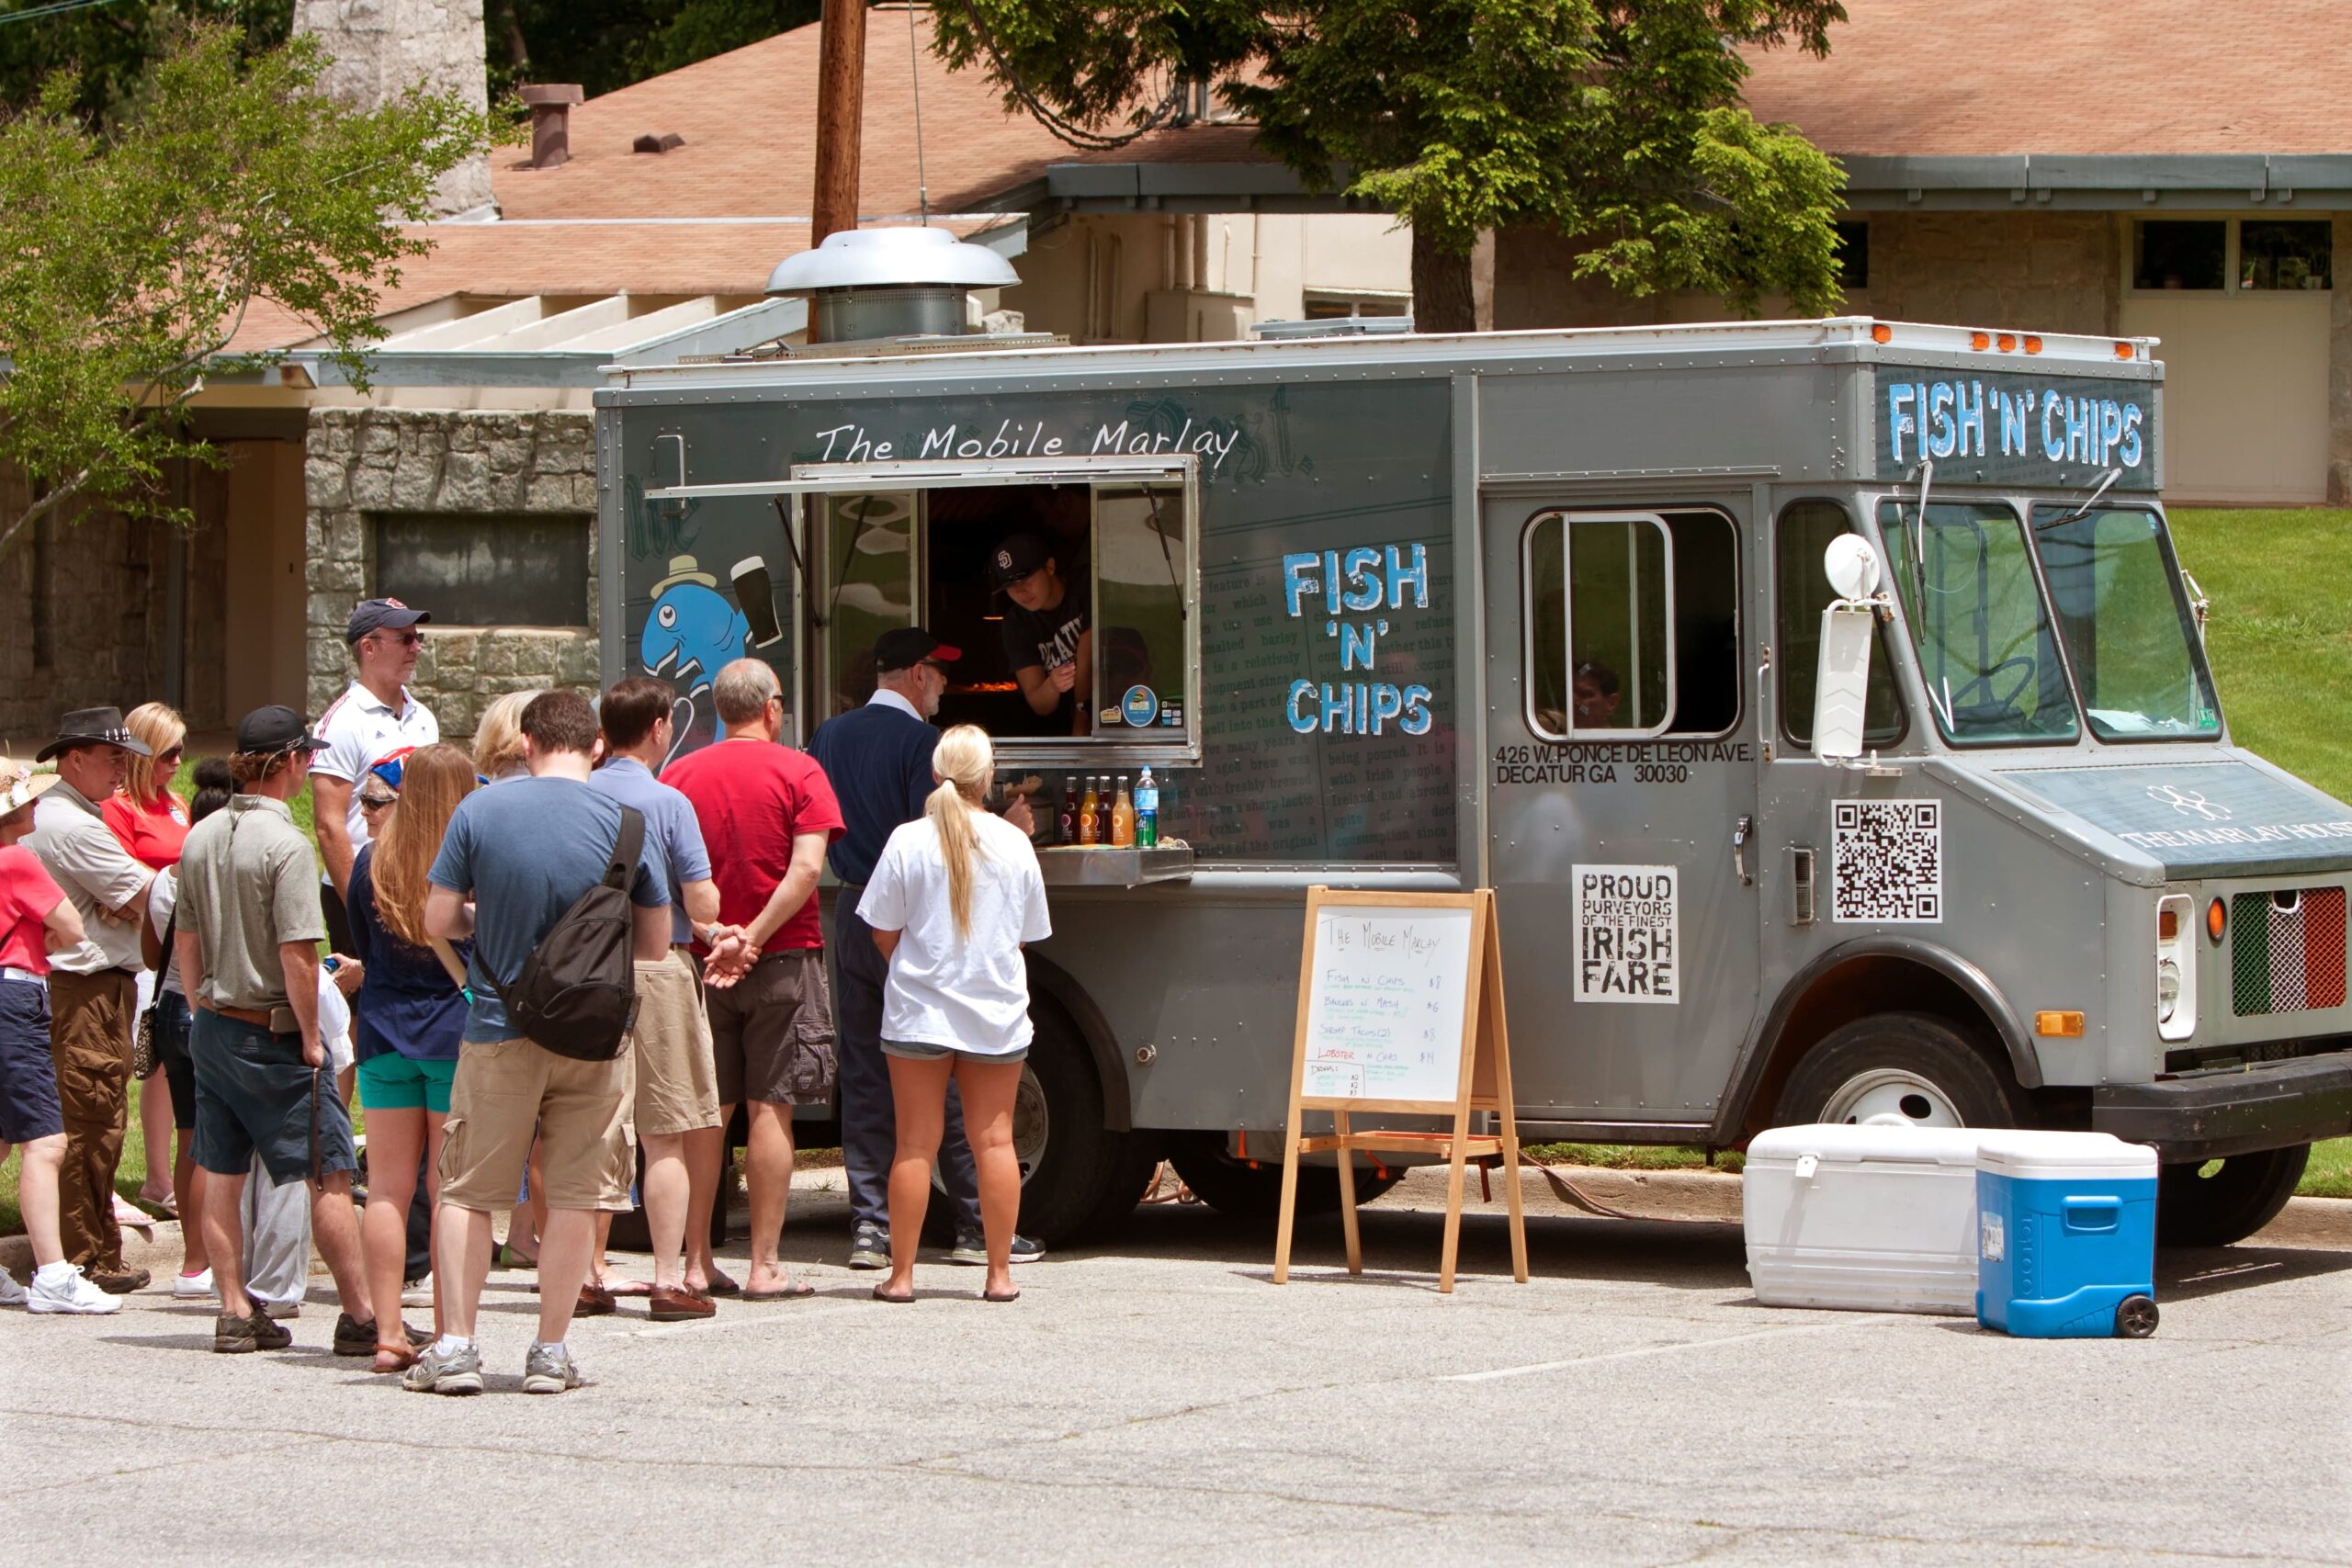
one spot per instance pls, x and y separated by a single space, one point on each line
405 639
377 802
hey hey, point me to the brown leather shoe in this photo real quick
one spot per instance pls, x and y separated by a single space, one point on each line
117 1282
671 1303
594 1300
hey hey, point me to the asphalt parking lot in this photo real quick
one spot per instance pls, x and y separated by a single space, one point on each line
1631 1405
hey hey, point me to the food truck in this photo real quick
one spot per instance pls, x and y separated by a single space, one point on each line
1544 613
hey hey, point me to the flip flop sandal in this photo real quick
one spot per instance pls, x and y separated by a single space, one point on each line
401 1357
721 1285
791 1292
993 1296
895 1300
629 1287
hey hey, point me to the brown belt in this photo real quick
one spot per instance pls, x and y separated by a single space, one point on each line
257 1017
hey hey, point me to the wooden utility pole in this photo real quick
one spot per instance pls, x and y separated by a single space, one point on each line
841 103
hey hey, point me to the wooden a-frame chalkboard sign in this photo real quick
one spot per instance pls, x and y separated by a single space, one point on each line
1400 1010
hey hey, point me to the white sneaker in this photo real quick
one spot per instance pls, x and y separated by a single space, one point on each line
72 1293
12 1294
193 1286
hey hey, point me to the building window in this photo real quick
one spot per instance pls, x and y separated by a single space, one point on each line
2274 254
2175 254
487 570
1854 255
1327 305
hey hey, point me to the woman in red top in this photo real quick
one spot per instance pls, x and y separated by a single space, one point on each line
152 823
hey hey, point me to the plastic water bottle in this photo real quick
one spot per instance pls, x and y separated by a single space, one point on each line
1147 811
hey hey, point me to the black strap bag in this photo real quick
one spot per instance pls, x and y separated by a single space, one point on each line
577 993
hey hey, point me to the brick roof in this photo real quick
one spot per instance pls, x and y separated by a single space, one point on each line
1985 77
748 118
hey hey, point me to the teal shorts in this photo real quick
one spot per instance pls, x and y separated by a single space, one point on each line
394 1082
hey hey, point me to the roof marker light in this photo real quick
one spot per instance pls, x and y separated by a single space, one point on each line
1881 333
2008 343
2033 344
1980 341
2122 351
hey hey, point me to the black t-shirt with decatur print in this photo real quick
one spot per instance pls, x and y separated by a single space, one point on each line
1047 637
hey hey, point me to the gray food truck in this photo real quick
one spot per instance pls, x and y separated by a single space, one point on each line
1542 612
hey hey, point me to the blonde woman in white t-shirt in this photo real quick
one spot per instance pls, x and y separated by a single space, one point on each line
953 899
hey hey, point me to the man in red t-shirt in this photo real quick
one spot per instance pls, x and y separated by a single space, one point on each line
767 815
35 919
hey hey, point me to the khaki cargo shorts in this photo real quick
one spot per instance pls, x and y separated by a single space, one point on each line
772 1032
505 1091
677 1074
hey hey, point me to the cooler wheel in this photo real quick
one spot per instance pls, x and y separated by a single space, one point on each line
2135 1317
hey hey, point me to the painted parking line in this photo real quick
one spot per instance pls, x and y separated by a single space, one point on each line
1645 1350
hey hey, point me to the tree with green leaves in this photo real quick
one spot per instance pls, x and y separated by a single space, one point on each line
129 255
1617 123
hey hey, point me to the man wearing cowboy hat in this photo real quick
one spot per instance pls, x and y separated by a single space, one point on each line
94 987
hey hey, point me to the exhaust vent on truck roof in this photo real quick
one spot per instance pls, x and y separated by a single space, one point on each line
864 284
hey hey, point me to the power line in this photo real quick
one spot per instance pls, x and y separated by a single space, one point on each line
56 8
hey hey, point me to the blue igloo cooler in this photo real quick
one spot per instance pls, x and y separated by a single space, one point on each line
2066 1235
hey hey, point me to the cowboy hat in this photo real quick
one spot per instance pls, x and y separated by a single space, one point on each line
93 727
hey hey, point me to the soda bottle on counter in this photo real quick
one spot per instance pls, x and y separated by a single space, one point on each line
1123 816
1146 810
1087 828
1102 810
1066 820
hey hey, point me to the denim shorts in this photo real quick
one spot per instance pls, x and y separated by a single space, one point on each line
255 1095
923 1051
28 1108
173 1022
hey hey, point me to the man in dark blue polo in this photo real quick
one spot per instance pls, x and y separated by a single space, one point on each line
877 758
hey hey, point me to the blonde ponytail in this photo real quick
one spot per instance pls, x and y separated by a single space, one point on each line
964 761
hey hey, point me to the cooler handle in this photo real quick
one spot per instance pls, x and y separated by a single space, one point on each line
2094 1214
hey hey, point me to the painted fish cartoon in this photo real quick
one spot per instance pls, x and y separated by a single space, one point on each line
692 629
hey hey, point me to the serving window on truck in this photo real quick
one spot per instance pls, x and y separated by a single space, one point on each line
1070 593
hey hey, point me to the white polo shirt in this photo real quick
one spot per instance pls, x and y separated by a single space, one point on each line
361 730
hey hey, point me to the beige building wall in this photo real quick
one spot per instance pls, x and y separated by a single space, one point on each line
1163 277
264 588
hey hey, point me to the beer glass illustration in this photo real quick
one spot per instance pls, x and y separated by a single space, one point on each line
757 597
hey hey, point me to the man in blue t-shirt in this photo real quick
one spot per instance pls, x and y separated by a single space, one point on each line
877 759
520 855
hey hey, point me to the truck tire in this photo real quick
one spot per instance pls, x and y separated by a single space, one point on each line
1926 1070
1078 1178
1243 1192
2216 1203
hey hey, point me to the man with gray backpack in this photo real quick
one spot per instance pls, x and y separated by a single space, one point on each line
560 890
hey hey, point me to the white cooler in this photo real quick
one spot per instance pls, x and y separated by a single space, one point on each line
1871 1218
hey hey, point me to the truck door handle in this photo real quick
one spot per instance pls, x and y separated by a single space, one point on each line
1739 837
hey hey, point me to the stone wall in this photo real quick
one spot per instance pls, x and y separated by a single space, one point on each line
367 462
376 49
2053 271
108 613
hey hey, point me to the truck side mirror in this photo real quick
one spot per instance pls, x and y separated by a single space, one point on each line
1841 685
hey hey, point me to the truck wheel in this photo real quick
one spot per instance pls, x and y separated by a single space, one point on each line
2219 1202
1924 1070
1077 1177
1238 1191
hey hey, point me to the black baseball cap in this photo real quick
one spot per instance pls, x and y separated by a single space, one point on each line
1016 558
376 615
906 647
267 730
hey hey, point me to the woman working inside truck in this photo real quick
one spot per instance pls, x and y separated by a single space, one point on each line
1048 629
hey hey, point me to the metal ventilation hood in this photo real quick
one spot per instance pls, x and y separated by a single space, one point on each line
900 282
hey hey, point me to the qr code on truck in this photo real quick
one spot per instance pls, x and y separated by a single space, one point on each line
1887 860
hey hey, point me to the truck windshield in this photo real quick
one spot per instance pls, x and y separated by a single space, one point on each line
1987 652
2127 623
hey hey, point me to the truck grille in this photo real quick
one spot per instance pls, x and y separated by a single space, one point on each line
2286 951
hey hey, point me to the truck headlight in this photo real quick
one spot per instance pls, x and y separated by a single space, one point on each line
2176 967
